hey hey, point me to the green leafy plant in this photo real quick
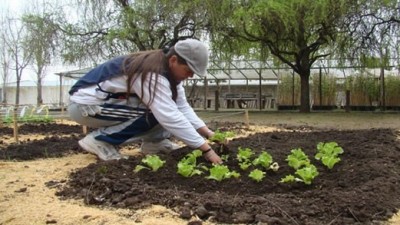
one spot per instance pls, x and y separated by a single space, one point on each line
305 171
306 175
152 162
225 157
220 172
244 157
257 175
221 137
328 153
264 160
188 167
297 159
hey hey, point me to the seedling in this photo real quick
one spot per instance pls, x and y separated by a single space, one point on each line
244 157
152 162
257 175
264 160
220 172
306 175
188 167
305 171
221 137
297 159
328 153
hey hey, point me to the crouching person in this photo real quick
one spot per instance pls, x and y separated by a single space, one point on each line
140 97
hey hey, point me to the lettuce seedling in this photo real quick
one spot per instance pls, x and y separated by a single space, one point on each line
244 157
220 172
152 162
328 153
297 159
306 175
221 137
257 175
264 160
187 166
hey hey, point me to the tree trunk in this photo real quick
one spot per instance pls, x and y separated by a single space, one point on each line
17 91
39 92
4 93
305 92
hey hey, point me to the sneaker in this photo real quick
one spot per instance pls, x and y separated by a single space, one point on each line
161 146
102 149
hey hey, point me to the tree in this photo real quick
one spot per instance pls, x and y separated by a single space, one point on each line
297 32
15 42
108 28
5 60
41 34
372 37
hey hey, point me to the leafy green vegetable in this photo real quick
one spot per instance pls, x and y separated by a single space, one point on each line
152 162
297 159
187 166
244 154
288 179
257 175
221 137
220 172
264 160
307 173
328 153
244 157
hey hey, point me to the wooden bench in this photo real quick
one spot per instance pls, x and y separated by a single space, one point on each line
243 100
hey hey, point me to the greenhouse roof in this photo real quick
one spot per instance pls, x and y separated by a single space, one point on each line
249 70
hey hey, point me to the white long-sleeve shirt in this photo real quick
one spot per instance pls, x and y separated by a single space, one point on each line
177 117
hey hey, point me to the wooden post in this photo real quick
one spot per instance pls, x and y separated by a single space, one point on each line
15 119
246 118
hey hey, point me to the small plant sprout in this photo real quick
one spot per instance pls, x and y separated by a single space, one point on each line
305 171
306 175
152 162
257 175
220 172
221 137
225 157
264 160
187 166
328 153
297 159
244 157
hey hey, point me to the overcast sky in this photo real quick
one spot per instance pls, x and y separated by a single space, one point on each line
16 7
13 5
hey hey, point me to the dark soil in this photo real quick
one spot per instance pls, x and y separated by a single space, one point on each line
361 189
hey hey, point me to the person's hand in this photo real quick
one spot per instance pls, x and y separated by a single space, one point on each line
212 157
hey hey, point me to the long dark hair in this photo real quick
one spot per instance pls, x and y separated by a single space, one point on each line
150 63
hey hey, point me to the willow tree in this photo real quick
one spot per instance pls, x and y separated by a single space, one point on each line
372 39
103 29
297 32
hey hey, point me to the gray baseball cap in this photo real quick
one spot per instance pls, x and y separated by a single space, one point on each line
195 53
